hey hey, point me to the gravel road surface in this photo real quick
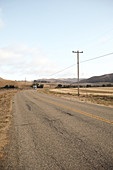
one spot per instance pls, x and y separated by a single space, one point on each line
51 133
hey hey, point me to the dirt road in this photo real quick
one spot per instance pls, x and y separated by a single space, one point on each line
49 133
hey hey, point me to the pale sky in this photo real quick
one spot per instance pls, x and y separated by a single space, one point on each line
37 38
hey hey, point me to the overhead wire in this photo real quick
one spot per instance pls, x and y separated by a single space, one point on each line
85 60
81 62
96 58
63 69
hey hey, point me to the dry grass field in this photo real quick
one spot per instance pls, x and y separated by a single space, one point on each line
5 116
97 95
15 83
101 91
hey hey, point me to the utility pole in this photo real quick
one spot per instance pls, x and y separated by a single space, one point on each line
77 66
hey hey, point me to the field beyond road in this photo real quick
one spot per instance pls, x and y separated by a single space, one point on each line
97 95
102 91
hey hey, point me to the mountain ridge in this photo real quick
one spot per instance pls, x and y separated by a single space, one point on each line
99 79
107 78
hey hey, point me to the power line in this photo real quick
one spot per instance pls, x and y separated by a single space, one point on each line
96 58
81 62
63 69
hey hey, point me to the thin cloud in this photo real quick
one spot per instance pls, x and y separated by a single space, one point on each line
21 60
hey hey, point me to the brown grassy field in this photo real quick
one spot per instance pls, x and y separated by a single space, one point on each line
101 91
97 95
18 84
5 116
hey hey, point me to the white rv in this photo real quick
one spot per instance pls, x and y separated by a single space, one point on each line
35 86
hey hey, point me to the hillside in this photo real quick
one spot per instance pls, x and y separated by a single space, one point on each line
107 78
18 84
98 79
60 80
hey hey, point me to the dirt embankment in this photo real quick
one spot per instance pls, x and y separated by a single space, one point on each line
5 116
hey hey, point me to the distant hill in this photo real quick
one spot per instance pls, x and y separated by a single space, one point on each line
62 80
98 79
4 82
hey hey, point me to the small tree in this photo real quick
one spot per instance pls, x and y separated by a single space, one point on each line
41 86
88 85
59 86
11 86
6 86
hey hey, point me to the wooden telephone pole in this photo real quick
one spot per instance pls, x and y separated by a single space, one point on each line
77 66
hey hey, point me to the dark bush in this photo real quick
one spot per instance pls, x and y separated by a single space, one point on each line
41 86
88 85
6 86
9 87
59 86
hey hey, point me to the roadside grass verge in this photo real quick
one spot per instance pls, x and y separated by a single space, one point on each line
5 116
